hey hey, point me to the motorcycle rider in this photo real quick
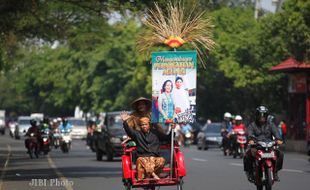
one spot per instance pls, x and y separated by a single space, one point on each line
261 129
226 128
65 125
238 126
186 128
33 129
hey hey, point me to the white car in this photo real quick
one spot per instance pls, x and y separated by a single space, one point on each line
79 128
23 124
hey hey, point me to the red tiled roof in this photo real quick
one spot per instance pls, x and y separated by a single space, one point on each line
290 64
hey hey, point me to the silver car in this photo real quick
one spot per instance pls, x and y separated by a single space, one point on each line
209 136
79 128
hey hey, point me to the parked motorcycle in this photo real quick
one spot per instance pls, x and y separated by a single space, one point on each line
33 146
240 143
264 167
65 140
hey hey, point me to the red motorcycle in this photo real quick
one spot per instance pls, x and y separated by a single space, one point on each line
174 173
33 146
264 166
240 144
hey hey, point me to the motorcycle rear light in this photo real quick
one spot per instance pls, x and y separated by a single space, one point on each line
259 155
45 140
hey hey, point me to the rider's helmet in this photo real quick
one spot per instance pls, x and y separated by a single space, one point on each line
46 120
261 114
33 122
238 118
227 116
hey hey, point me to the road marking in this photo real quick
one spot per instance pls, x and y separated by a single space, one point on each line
292 170
199 159
235 164
68 186
5 166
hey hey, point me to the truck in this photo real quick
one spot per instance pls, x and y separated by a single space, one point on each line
2 122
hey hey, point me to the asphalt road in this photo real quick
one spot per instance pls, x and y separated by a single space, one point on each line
79 170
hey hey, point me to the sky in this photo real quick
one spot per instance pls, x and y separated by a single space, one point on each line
267 4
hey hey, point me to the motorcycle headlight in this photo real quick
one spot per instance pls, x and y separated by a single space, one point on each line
187 135
124 137
270 144
115 140
263 144
44 139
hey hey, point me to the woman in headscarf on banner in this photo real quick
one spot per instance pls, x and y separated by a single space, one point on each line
165 103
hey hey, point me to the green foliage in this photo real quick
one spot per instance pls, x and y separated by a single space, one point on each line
97 66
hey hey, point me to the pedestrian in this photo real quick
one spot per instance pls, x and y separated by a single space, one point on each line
283 129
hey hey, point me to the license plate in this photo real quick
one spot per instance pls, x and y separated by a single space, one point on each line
267 155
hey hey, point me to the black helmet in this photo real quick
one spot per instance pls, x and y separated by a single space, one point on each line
261 111
33 122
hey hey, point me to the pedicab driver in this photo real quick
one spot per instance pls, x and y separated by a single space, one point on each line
149 163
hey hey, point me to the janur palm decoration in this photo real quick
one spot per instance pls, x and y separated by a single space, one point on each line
174 27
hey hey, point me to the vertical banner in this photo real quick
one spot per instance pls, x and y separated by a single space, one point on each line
174 79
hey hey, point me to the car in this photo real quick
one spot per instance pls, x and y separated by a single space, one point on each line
209 136
23 124
79 128
108 141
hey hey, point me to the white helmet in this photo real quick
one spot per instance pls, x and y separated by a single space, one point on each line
227 114
238 118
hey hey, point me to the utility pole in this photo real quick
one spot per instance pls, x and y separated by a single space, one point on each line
257 7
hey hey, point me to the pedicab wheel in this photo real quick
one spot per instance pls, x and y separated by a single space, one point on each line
259 187
128 186
180 184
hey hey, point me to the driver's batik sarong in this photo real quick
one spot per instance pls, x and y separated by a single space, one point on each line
147 165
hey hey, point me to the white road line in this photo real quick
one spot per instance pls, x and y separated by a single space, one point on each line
68 186
292 170
5 166
235 164
199 159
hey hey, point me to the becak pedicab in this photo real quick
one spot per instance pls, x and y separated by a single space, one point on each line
173 173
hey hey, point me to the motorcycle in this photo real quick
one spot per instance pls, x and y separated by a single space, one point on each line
226 144
56 138
33 148
264 166
45 147
240 143
65 140
187 139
